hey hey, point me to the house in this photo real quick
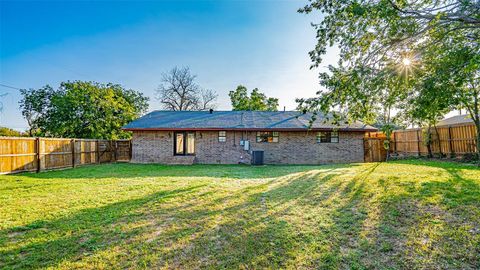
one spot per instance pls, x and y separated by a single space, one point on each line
457 120
230 137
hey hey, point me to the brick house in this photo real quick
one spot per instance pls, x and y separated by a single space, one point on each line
230 137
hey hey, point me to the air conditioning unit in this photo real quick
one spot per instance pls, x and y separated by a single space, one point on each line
257 157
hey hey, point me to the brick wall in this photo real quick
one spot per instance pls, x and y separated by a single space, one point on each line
292 148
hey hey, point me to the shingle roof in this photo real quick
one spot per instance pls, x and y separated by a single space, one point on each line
456 120
241 120
236 120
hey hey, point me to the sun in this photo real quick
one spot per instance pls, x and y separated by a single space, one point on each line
405 65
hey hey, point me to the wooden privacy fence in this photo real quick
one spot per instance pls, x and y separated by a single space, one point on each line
447 140
456 140
19 154
374 151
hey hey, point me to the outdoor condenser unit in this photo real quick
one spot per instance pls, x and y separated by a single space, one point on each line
257 157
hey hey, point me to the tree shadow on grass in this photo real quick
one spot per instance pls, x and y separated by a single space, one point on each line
47 243
309 219
431 224
244 228
268 230
129 170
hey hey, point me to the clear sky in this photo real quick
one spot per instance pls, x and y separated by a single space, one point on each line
260 44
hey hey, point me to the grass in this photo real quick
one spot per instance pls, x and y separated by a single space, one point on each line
404 214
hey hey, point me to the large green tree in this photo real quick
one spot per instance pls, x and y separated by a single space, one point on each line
81 110
257 101
411 40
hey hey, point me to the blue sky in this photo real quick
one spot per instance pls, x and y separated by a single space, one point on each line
260 44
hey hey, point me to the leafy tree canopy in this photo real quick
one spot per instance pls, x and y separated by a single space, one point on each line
82 110
407 60
257 101
4 131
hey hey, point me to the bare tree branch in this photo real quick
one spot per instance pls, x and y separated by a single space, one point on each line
179 92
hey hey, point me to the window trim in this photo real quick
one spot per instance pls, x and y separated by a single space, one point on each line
318 137
275 134
185 143
224 136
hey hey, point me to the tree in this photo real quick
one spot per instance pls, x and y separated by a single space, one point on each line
368 32
4 131
179 92
457 66
257 101
438 37
371 95
428 104
36 105
81 110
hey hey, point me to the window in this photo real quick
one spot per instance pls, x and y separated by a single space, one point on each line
184 143
190 143
222 136
180 143
327 137
267 136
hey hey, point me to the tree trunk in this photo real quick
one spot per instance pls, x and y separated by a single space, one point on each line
429 141
439 143
429 148
387 157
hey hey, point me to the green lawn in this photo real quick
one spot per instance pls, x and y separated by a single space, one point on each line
404 214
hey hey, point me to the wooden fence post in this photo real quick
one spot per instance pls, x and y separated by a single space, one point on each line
72 142
114 146
97 154
130 154
450 141
418 142
394 142
37 150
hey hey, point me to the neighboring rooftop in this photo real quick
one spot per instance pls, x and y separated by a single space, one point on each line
237 120
456 120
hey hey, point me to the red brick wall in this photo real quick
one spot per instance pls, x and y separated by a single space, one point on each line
292 148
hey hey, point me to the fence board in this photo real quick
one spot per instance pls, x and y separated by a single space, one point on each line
19 154
123 150
446 140
374 150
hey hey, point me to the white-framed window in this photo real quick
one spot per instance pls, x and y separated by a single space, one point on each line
327 137
267 136
222 136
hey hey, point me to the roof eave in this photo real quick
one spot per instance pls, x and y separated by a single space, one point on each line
252 129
